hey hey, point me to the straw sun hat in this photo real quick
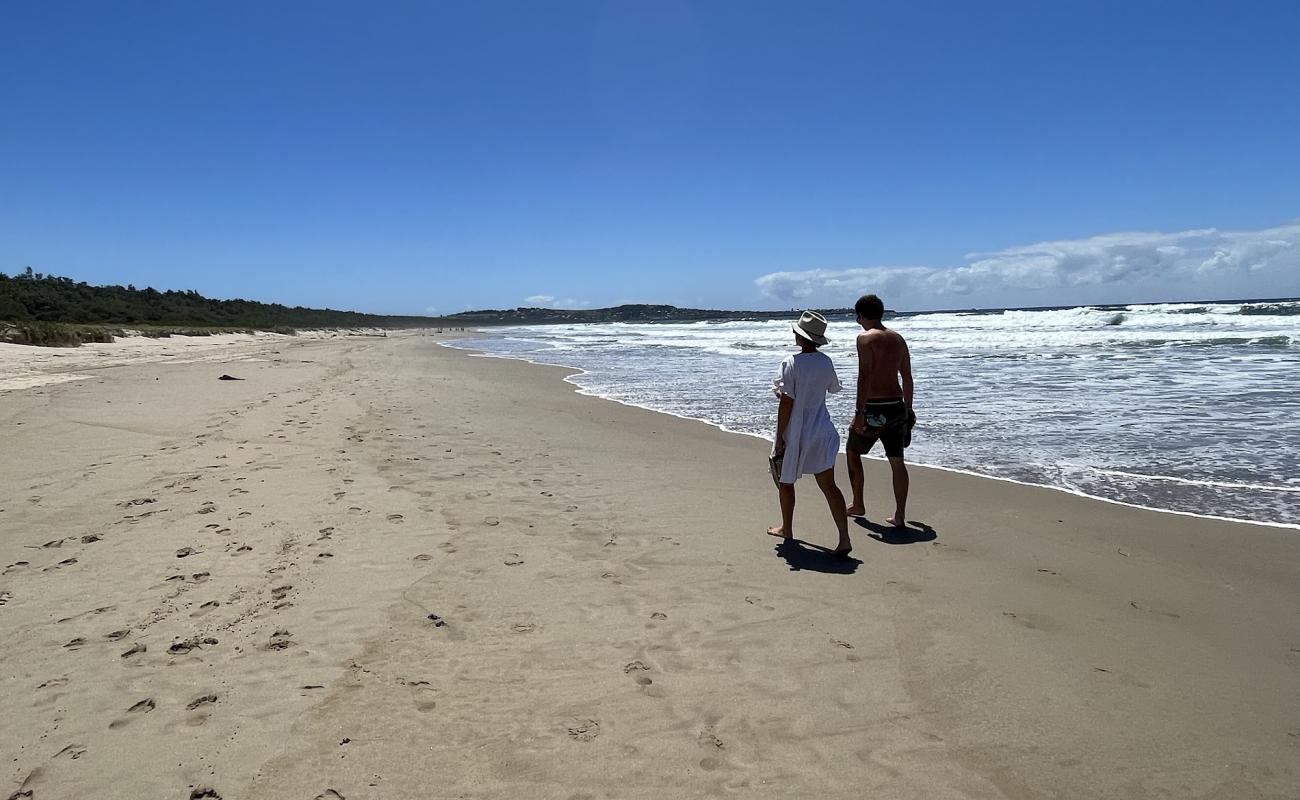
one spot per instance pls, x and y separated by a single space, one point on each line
811 326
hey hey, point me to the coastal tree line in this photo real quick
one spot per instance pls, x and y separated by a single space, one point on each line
34 297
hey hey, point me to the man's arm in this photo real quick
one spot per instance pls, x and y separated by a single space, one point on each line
865 364
905 370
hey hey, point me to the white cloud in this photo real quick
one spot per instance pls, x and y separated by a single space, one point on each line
1196 263
551 301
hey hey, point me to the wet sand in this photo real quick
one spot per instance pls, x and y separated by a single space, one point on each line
381 568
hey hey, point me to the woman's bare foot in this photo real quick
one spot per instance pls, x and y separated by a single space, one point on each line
896 521
856 510
841 552
778 531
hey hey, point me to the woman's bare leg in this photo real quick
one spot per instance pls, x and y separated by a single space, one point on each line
835 498
786 529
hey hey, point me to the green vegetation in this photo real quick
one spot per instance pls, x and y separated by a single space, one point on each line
49 310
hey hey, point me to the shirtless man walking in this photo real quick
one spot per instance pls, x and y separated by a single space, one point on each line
883 405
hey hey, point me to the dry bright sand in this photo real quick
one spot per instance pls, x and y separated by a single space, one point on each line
225 588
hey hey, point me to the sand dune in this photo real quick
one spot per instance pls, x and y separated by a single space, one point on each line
383 568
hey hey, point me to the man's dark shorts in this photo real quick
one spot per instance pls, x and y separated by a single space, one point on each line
896 421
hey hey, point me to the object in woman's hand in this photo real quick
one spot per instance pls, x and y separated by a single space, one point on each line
774 466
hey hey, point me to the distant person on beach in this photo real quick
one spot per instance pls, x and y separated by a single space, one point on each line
884 405
806 440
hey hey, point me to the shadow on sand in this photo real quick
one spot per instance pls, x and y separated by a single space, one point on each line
801 555
914 533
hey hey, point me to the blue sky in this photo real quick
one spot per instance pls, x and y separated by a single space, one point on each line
437 156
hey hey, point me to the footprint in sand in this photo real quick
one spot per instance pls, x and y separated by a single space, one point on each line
75 644
491 521
424 702
200 701
204 793
658 615
423 557
279 592
192 643
523 627
73 751
839 643
323 557
90 538
708 738
17 565
205 608
585 731
207 508
395 518
280 640
142 707
185 551
67 562
513 560
135 650
243 548
5 597
117 635
330 794
634 668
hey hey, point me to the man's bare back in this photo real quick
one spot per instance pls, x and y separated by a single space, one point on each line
882 357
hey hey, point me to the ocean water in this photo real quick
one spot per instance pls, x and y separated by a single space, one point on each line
1179 407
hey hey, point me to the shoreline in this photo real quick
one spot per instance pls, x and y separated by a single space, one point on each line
579 389
383 567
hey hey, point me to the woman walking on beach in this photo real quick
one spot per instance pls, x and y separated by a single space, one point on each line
806 439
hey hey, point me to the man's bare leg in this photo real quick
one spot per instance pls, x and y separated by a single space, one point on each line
835 499
786 529
901 483
856 481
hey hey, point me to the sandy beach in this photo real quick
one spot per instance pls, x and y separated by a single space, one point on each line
382 568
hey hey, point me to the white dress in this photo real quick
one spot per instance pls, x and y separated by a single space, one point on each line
811 441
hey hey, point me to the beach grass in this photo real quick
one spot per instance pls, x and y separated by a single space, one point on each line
62 334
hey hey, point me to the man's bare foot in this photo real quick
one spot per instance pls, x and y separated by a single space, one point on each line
896 521
856 510
838 553
778 531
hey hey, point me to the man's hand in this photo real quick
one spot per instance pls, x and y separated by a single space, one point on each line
859 425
